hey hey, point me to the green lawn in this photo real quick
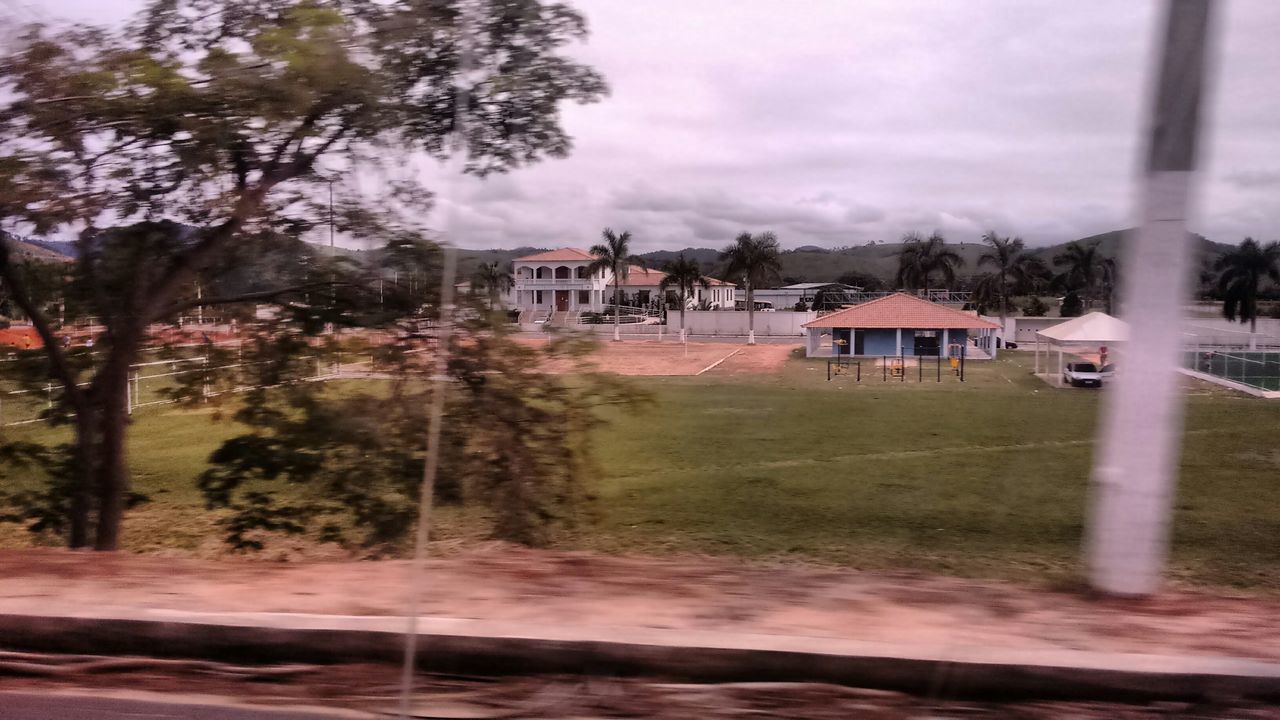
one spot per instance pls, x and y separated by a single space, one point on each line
982 478
985 478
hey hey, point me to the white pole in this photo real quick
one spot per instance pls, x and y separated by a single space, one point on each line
1135 467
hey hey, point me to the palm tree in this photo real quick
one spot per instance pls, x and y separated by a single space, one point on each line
921 257
490 277
754 258
1012 269
684 275
1110 279
614 255
1240 273
1085 270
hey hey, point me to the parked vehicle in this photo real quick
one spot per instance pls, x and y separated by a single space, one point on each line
1080 374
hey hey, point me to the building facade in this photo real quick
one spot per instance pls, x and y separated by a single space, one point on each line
561 281
900 324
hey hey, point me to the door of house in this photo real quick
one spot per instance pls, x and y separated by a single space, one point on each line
562 300
858 339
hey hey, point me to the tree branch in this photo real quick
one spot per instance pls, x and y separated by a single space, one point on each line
254 296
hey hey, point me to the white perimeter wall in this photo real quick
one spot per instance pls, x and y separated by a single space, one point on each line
734 323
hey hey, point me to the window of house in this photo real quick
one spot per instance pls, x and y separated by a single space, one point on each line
584 297
537 297
582 271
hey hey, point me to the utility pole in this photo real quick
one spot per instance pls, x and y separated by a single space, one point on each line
1140 433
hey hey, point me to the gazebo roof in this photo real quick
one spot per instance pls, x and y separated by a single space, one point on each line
1095 327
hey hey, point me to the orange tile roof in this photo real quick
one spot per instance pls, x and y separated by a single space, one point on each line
650 277
559 255
637 275
901 310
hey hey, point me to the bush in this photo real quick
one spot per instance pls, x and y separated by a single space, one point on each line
1035 307
800 307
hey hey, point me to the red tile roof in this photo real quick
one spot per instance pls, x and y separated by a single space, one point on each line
901 310
559 255
650 277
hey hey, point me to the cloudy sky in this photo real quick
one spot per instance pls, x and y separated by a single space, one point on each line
838 122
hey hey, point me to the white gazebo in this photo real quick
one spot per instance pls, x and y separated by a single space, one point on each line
1095 329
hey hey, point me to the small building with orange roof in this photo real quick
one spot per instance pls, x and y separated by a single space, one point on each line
900 324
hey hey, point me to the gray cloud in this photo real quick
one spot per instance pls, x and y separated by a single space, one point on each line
834 122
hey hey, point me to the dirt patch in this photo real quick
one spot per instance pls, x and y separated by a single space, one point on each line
558 588
755 360
649 357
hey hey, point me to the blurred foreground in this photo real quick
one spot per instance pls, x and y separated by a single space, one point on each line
541 589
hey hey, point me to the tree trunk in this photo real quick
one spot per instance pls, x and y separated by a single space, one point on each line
112 477
83 477
617 309
682 304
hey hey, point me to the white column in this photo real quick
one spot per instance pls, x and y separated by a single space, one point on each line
945 350
1140 433
1059 366
897 347
1037 370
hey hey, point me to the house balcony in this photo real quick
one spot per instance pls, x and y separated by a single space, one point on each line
562 283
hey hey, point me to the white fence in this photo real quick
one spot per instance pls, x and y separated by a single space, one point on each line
149 382
781 323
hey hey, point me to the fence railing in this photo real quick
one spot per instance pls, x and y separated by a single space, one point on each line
148 388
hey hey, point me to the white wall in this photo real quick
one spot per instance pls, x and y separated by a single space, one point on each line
1024 329
727 322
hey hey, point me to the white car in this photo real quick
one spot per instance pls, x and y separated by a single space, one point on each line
1082 374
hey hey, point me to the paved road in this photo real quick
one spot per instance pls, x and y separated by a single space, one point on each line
42 706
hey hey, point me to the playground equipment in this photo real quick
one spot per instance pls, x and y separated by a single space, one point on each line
842 365
894 367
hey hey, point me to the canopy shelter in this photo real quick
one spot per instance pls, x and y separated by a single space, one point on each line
1094 329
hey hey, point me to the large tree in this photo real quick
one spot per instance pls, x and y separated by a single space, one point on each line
614 256
1012 270
206 127
684 275
754 259
921 258
1241 272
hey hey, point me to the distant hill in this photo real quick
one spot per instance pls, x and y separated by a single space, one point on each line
29 249
810 263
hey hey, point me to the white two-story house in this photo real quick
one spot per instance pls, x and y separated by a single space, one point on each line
558 280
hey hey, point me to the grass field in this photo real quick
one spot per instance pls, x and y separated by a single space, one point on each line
983 478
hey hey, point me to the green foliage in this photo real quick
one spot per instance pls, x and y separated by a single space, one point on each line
346 465
1088 273
493 280
920 258
752 259
211 131
1035 307
866 281
1014 271
685 276
614 256
1072 305
1241 274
